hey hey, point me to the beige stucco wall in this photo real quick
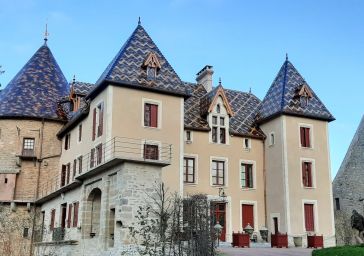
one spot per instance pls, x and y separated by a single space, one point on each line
233 153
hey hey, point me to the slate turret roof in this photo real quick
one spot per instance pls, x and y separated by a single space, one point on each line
127 67
35 91
283 97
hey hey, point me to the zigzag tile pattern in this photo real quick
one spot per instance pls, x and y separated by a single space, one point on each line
126 67
282 97
36 89
82 88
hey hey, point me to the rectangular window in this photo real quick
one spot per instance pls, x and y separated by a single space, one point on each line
80 133
271 139
53 216
337 204
151 152
218 129
247 175
63 175
222 121
80 164
188 136
307 174
222 136
214 120
305 137
309 217
218 172
99 154
68 172
75 214
246 143
25 232
92 158
67 141
214 134
28 147
69 216
150 115
189 170
100 128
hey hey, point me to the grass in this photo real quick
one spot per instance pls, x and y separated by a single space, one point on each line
356 250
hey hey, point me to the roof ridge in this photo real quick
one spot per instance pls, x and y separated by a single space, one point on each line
284 84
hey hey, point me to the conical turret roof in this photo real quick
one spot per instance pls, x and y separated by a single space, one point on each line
290 94
35 91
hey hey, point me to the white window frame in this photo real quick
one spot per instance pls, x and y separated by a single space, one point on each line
272 142
255 212
249 144
195 156
313 172
252 162
151 142
78 133
275 215
310 126
191 136
154 102
315 212
226 169
226 124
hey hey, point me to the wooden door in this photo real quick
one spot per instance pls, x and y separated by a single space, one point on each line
309 217
63 216
247 215
220 216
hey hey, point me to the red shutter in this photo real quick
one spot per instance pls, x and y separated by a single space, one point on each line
304 177
94 125
69 215
248 215
154 116
101 120
302 134
68 172
309 174
63 175
309 217
75 214
53 215
307 136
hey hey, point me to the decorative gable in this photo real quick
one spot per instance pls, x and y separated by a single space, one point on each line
152 61
209 101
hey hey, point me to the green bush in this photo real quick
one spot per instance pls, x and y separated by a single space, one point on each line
357 250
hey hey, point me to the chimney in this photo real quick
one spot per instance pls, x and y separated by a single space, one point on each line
204 77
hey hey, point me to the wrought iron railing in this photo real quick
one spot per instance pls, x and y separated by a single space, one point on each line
122 148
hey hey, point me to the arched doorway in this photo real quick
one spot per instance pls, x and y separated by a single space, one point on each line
92 214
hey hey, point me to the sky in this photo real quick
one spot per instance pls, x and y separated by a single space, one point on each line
245 41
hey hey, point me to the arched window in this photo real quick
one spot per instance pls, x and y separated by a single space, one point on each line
218 108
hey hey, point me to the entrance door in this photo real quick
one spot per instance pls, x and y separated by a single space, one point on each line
309 217
63 215
247 215
220 216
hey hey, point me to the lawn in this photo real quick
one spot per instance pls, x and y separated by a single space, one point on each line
357 250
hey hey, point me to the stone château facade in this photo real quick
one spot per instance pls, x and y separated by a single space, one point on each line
82 156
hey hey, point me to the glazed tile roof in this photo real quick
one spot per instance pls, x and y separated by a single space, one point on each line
35 91
282 97
244 105
82 88
127 66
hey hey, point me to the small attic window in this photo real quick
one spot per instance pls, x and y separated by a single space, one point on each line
152 65
151 73
305 94
218 108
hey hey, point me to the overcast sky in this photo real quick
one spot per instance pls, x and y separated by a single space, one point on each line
245 41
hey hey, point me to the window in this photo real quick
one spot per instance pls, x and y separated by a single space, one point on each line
98 121
69 219
6 180
99 154
151 115
75 214
307 174
218 108
151 73
25 232
337 204
271 139
189 170
80 133
53 216
28 147
218 131
68 168
309 217
218 172
80 164
151 152
74 168
63 175
246 175
67 141
188 136
305 137
246 143
92 158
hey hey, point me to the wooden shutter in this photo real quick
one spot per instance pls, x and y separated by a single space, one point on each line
69 215
80 132
63 175
68 172
307 137
248 215
309 174
94 125
53 215
101 120
154 115
302 136
309 217
304 177
92 158
74 169
75 214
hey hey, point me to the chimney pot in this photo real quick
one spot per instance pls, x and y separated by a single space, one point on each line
204 77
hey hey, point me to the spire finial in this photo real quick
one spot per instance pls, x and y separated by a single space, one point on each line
139 22
219 80
250 90
74 79
46 34
286 56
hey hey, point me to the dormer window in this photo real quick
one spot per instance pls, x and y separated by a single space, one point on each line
152 66
151 73
305 94
218 129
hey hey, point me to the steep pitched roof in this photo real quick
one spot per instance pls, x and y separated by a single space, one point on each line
128 66
35 91
208 101
244 106
283 97
82 88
